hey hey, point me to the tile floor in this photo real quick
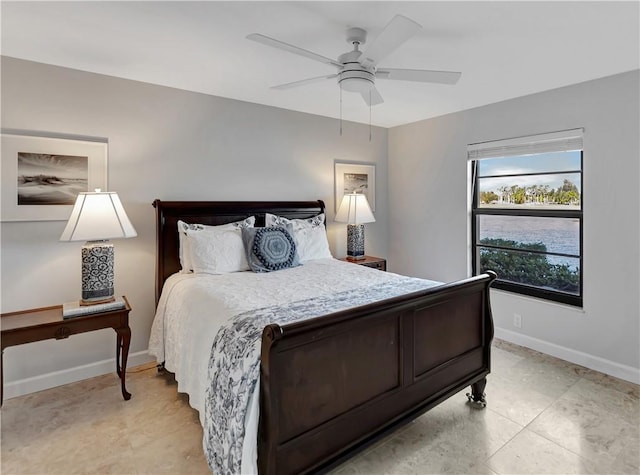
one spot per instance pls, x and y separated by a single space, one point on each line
544 416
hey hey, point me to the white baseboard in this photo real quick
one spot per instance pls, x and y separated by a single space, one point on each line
71 375
628 373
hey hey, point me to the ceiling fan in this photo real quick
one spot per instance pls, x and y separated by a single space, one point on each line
358 70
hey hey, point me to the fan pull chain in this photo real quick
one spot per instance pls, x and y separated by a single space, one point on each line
369 115
340 111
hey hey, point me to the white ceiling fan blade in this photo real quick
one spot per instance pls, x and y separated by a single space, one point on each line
265 40
372 97
302 82
419 75
397 31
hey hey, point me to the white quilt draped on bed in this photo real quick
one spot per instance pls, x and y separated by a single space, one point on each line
193 308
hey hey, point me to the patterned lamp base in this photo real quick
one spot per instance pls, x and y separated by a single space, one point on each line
355 241
97 272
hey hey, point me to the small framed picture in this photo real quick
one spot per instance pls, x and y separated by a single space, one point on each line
359 177
42 176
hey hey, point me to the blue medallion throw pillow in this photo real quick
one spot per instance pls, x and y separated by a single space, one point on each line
270 249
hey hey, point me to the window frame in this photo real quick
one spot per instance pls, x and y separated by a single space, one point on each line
519 288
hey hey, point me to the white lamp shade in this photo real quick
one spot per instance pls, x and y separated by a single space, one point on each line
98 216
355 209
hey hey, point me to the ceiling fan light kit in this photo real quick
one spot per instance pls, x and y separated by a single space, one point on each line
356 81
357 70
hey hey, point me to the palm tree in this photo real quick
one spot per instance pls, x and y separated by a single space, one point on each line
504 194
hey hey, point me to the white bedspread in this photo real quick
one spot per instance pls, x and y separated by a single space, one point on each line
193 307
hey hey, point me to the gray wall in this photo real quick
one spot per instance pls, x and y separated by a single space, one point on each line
171 144
163 143
428 214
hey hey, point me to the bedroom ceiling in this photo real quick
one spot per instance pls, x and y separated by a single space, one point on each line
504 49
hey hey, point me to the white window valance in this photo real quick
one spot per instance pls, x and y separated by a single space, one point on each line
562 141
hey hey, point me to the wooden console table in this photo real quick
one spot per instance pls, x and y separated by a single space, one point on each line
39 324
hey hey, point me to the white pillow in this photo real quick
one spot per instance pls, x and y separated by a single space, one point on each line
217 251
309 234
185 241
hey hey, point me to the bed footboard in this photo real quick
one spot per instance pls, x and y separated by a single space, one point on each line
330 386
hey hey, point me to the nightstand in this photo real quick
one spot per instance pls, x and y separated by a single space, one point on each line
40 324
369 261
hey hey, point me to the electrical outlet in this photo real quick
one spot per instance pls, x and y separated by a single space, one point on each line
517 320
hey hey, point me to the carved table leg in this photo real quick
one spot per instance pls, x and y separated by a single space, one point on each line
477 395
123 341
118 346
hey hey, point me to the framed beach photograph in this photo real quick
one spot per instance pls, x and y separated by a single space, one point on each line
42 176
360 177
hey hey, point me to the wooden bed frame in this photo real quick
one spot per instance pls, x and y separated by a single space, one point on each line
332 385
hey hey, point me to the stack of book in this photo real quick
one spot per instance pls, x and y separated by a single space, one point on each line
74 309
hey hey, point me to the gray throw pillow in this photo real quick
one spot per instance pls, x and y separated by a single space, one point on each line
270 249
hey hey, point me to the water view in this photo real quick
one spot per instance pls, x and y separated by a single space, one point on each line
515 246
559 235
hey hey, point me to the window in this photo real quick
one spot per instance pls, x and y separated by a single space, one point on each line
526 218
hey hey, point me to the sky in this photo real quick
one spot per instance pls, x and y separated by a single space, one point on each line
540 163
62 166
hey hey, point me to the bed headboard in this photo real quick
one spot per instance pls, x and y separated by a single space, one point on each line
213 213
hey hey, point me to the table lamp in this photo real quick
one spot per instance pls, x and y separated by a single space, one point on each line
97 217
355 211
